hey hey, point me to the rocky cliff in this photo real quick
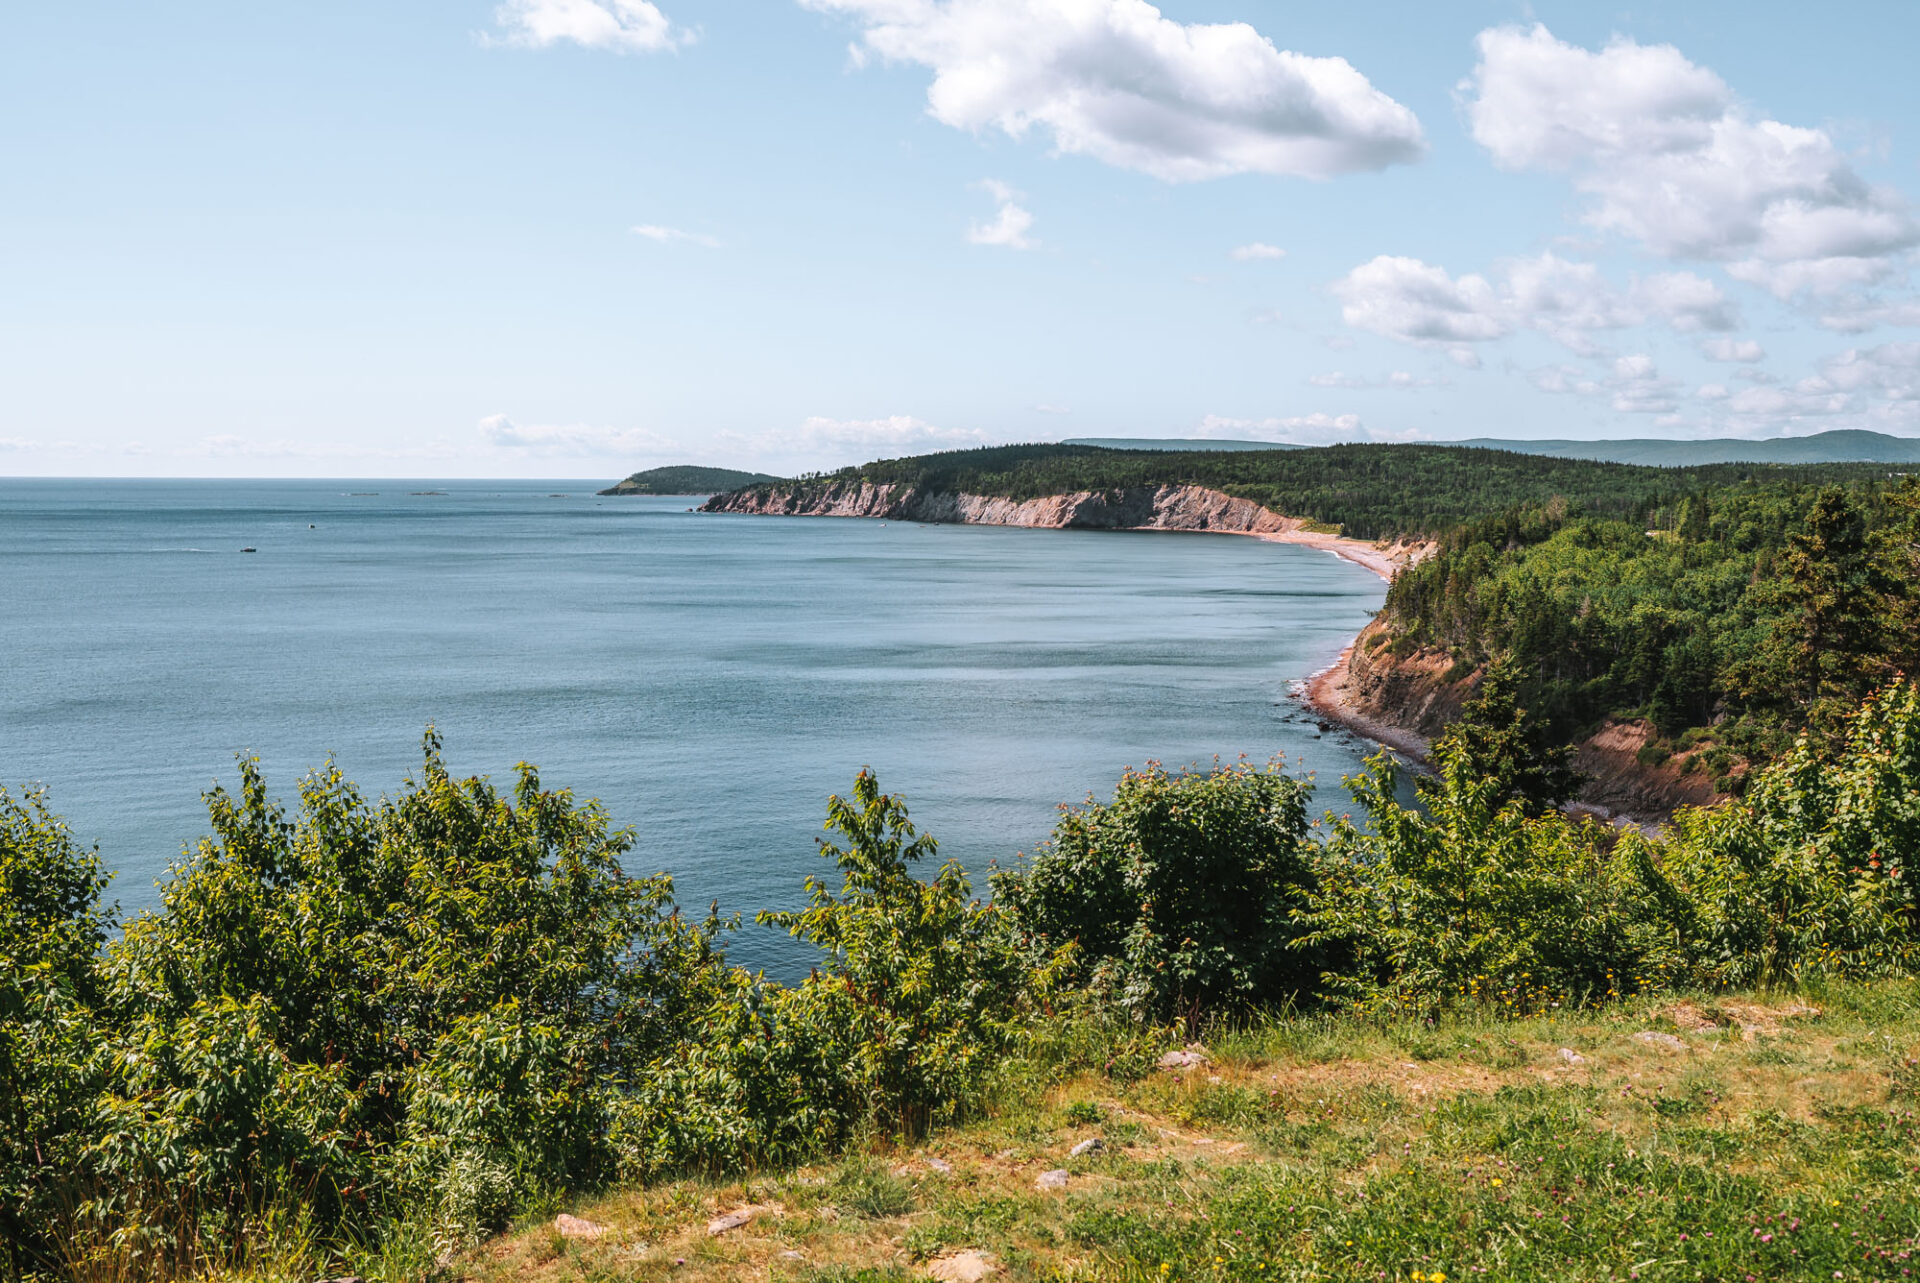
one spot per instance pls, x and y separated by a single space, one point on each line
1142 508
1406 697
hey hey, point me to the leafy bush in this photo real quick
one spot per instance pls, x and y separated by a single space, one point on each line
1178 896
919 984
1473 896
51 930
1811 871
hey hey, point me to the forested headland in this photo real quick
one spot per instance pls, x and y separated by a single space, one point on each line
1729 607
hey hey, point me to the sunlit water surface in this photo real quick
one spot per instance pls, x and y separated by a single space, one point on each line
710 678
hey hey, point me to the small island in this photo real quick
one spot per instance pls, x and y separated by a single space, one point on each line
688 479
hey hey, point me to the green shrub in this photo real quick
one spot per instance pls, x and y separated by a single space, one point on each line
1811 871
51 930
920 984
1176 897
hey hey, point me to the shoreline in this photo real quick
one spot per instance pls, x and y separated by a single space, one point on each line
1323 691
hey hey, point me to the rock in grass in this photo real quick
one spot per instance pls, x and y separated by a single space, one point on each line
1091 1145
1665 1042
577 1227
940 1165
1572 1057
962 1267
1186 1058
731 1221
1055 1179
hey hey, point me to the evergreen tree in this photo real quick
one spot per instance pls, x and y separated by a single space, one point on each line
1498 740
1827 648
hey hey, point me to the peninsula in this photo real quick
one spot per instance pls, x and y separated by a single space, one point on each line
1585 572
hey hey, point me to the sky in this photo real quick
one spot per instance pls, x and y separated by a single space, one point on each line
576 238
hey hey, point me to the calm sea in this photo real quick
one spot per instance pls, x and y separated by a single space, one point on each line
711 678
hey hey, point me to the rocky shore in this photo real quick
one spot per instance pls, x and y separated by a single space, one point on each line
1400 700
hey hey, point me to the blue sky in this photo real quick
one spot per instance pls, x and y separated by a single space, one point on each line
579 237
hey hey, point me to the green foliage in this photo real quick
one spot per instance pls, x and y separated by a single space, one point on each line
1177 896
1474 897
1812 871
51 930
919 982
1499 743
1756 607
1368 491
367 1031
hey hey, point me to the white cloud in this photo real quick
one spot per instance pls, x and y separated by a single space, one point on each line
1746 350
1686 302
1397 381
1115 80
1416 302
1009 226
1045 408
1672 160
901 433
1256 250
622 26
572 439
1892 370
669 235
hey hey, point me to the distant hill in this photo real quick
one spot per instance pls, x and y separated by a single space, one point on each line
1844 446
1176 443
687 479
1849 445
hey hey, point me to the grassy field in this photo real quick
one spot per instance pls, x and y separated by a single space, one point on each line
1763 1138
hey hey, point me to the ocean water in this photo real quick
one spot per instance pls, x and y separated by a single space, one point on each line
711 678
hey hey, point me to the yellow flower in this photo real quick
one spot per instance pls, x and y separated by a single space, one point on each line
1438 1276
1498 1182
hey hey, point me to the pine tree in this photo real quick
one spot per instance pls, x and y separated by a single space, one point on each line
1497 739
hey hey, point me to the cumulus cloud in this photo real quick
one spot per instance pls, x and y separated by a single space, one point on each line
669 235
1416 302
1256 250
1745 350
1892 370
1117 81
1009 225
1671 159
621 26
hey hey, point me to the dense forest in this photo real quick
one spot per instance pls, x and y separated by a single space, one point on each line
1369 491
1745 612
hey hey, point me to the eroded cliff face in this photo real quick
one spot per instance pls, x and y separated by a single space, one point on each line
1139 508
1419 692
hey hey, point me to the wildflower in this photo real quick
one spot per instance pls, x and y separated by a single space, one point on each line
1498 1182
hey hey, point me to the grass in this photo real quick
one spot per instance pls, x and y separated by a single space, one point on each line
1782 1143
